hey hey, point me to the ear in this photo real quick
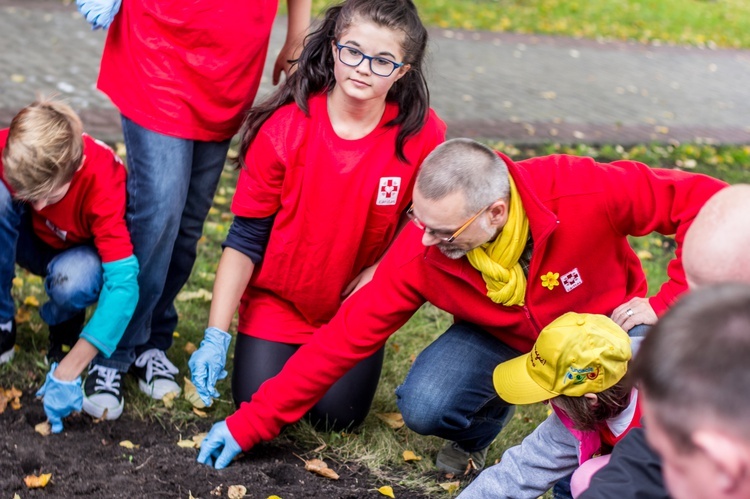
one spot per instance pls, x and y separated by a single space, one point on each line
591 398
402 71
730 460
498 212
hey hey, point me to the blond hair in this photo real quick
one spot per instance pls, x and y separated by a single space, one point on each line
44 149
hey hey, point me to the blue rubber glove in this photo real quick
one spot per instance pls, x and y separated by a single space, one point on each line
219 447
99 13
60 398
207 363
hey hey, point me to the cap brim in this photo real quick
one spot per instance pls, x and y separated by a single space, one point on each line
515 386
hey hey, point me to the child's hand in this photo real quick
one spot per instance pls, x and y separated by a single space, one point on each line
219 447
60 398
207 363
99 13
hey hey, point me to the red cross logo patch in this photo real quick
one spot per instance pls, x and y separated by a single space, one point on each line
388 191
571 280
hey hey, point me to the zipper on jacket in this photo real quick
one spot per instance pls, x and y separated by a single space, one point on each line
531 319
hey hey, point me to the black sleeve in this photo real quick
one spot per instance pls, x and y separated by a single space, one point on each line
633 472
249 236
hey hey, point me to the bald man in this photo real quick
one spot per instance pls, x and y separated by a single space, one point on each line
715 250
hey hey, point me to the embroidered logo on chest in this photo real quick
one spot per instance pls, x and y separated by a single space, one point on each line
388 191
62 234
571 280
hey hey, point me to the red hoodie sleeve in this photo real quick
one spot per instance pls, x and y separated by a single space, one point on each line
360 327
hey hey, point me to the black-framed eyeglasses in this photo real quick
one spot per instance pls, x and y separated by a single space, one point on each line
378 65
443 235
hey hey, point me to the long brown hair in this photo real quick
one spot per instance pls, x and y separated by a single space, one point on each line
586 414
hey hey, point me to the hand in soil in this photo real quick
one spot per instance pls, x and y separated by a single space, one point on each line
60 398
219 447
207 363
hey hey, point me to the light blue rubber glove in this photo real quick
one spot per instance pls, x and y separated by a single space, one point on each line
207 363
60 398
99 13
219 447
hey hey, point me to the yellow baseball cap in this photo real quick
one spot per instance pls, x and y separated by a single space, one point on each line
574 355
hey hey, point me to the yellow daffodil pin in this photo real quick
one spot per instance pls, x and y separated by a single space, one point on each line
549 280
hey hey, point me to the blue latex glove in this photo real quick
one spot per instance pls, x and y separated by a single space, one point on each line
99 13
60 398
207 363
219 447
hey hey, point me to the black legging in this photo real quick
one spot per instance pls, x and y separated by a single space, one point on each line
344 406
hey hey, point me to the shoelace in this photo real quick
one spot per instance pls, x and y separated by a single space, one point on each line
107 379
157 364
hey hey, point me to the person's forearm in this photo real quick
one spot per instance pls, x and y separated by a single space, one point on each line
73 364
298 20
232 277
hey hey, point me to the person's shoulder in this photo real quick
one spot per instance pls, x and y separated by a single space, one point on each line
101 163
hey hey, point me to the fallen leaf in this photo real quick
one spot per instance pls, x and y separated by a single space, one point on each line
217 490
204 294
387 490
168 399
186 444
17 78
23 315
190 347
16 496
3 402
236 491
199 413
393 419
31 301
549 95
128 444
17 282
410 456
645 255
175 334
220 200
321 468
120 149
191 395
451 487
273 497
44 429
103 418
198 439
37 482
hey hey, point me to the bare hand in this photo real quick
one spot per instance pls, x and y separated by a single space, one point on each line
290 51
633 313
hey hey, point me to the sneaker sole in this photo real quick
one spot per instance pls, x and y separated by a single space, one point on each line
7 356
98 411
149 390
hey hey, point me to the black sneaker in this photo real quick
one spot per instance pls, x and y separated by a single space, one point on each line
155 374
63 336
8 343
102 393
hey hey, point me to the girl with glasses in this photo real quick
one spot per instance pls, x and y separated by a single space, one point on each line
328 165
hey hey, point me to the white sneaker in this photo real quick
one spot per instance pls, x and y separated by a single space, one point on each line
102 393
156 374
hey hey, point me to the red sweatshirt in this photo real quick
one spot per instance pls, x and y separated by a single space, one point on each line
580 213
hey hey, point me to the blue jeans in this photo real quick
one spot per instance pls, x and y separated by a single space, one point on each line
171 185
448 391
72 277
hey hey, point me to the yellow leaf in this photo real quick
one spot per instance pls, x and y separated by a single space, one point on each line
203 294
120 149
15 404
17 78
236 491
175 334
198 439
128 444
410 456
321 468
37 482
199 413
191 395
17 282
168 399
387 490
44 429
190 347
645 255
273 497
186 444
220 200
213 211
451 487
393 419
23 315
31 301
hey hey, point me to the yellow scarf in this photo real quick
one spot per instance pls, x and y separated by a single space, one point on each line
498 260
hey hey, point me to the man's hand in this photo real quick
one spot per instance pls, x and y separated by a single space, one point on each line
362 278
100 13
633 313
60 398
219 447
207 363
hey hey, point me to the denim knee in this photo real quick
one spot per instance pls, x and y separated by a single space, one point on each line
425 409
73 282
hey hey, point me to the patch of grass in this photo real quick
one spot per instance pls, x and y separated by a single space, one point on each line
709 23
374 444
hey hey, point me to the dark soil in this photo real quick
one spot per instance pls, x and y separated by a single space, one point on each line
87 460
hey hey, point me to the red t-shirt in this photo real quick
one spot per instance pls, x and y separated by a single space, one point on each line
93 209
187 69
338 203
